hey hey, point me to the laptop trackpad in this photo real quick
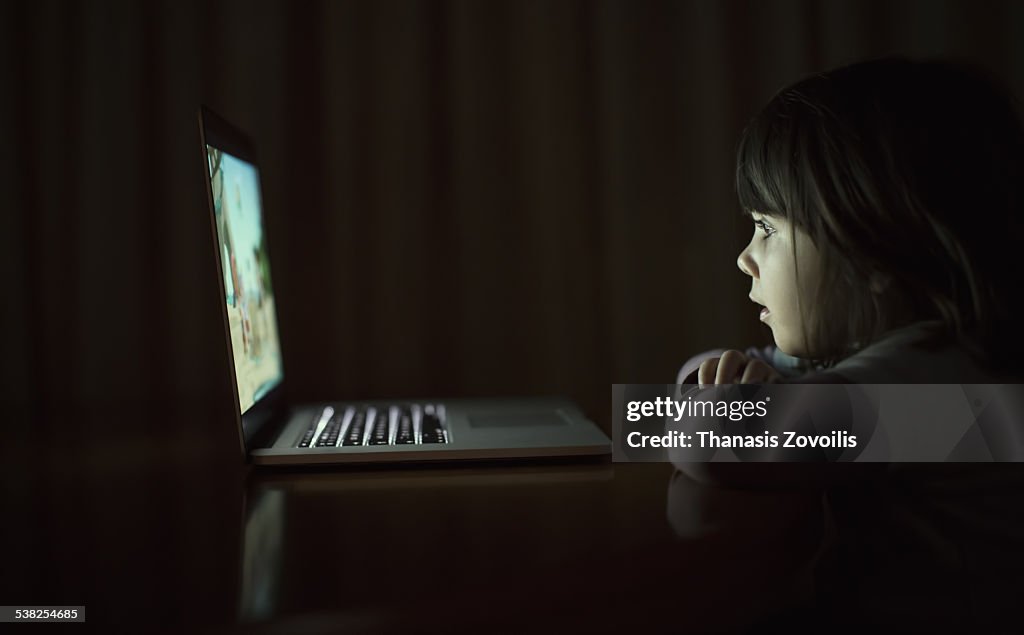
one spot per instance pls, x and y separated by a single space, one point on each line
517 420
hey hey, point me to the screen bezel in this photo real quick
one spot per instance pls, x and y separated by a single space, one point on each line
255 422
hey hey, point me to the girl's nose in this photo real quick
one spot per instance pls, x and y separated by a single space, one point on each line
746 263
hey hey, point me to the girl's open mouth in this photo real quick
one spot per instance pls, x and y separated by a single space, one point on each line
764 313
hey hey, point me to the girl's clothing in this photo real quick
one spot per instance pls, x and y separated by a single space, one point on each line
906 355
912 355
939 541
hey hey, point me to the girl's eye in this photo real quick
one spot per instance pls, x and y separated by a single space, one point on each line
765 227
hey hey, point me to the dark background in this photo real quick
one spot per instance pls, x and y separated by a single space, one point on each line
463 198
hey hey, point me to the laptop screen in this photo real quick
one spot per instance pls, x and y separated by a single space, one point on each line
252 319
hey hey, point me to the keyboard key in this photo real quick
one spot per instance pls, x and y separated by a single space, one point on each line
405 434
329 436
379 434
354 435
432 429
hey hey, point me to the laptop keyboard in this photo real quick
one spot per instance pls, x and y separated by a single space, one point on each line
384 425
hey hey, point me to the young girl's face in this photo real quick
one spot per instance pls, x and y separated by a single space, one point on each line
769 260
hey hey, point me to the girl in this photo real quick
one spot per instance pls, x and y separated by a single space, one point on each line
887 199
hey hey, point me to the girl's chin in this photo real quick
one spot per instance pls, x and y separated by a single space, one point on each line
787 347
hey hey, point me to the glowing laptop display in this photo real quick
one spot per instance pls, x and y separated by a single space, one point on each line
243 253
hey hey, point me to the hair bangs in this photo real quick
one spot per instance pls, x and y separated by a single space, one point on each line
764 174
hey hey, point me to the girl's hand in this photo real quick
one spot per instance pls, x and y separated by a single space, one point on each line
733 367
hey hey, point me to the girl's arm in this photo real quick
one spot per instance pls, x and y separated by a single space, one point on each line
768 354
774 475
792 369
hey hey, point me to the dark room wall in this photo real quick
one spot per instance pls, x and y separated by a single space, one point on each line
463 198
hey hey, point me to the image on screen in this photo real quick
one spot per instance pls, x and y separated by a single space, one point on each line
252 319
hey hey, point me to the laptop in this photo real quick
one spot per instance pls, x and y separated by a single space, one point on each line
274 431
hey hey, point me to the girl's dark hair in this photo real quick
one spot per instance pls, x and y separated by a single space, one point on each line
908 176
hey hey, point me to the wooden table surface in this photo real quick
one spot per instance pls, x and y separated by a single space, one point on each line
183 536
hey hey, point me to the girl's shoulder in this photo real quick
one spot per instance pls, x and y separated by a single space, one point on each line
914 354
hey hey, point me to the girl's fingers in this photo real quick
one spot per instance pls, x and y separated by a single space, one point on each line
733 367
730 367
759 372
706 372
751 374
755 372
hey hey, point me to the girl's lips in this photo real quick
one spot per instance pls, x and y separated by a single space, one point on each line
764 313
